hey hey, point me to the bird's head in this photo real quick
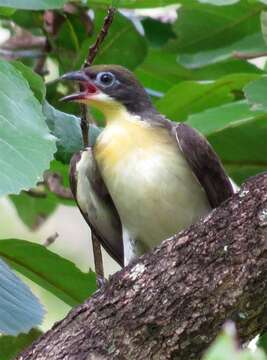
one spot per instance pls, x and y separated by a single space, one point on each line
108 88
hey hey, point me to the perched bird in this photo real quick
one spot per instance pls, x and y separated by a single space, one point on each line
146 177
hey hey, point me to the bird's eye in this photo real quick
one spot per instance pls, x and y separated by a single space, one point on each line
105 79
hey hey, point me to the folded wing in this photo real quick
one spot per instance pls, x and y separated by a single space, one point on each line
95 203
204 163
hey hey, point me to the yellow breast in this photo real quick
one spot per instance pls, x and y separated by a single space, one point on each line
149 180
121 137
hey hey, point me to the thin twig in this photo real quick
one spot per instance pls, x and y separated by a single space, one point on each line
86 120
40 64
93 50
54 183
97 256
50 240
85 125
247 56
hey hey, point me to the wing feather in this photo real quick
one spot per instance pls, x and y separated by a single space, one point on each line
205 164
95 203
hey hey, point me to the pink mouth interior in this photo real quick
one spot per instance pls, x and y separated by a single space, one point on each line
89 88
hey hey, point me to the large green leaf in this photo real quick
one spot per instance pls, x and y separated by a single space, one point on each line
201 27
35 81
67 130
33 4
238 134
248 45
160 72
123 44
47 269
192 97
26 146
10 345
20 310
255 92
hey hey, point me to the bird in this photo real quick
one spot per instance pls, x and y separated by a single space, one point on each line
146 177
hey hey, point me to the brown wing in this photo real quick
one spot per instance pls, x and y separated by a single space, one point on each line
205 164
95 203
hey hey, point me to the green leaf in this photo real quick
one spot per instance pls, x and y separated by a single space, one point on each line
67 129
192 97
4 11
219 2
34 210
225 347
255 92
63 170
123 44
133 4
26 146
33 4
70 36
264 25
20 310
11 346
202 27
47 269
238 135
28 19
157 32
250 44
160 72
35 81
262 342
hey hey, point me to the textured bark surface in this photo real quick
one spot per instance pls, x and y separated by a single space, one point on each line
171 303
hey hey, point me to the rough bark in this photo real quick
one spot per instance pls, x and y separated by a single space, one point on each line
171 303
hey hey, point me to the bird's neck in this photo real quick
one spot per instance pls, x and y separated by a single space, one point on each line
116 112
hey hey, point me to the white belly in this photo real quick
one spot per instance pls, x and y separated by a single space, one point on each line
155 193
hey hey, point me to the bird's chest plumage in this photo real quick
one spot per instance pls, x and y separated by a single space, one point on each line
149 180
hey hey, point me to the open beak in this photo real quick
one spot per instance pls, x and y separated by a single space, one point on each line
87 87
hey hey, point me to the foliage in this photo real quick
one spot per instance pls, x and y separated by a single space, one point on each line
48 270
20 309
11 345
196 69
226 347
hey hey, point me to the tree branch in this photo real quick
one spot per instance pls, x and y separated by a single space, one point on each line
171 303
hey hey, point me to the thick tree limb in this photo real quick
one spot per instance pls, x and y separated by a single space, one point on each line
171 303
